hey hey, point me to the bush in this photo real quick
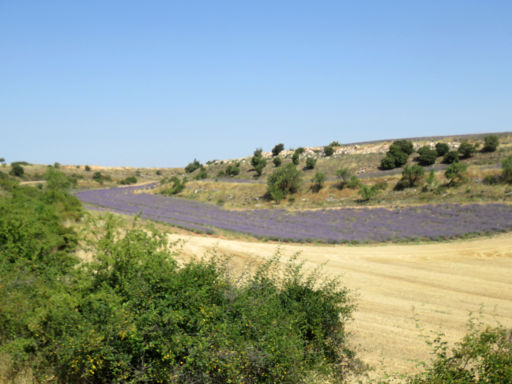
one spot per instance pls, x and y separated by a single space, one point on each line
295 158
411 177
404 146
128 180
328 150
451 157
397 154
442 149
283 181
310 163
343 174
277 161
456 173
87 168
176 187
203 174
367 193
262 163
300 150
98 177
232 170
158 173
507 169
466 150
335 144
277 149
483 356
388 162
353 182
491 143
426 156
16 170
318 181
191 167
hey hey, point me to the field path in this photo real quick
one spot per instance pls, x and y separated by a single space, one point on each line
437 284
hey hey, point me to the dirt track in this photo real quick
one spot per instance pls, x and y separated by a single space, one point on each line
437 284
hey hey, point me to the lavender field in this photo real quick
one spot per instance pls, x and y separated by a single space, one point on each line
427 222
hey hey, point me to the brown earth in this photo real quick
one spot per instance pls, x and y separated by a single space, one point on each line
402 291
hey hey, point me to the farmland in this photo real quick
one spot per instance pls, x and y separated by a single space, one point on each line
346 225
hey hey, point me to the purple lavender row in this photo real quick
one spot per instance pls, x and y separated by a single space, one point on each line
427 222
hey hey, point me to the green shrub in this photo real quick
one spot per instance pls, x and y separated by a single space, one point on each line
16 170
491 143
277 161
318 181
203 174
98 177
87 168
442 149
328 150
232 170
335 144
295 158
191 167
262 163
456 173
404 146
2 160
128 180
466 150
507 169
353 182
176 187
300 150
411 177
158 173
426 156
277 149
451 157
310 163
388 162
283 181
344 175
367 193
483 356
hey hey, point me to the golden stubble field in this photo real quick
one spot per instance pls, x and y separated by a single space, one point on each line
402 291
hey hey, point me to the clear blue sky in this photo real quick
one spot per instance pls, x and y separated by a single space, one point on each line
158 83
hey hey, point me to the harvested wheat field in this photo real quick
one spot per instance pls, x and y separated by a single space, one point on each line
403 291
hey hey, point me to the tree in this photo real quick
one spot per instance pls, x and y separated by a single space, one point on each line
456 173
328 150
201 175
426 156
466 150
491 143
318 181
191 167
277 149
405 146
388 162
277 161
442 149
16 170
176 187
2 160
335 143
87 168
507 169
283 181
310 163
451 157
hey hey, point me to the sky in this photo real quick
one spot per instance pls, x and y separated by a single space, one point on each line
159 83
